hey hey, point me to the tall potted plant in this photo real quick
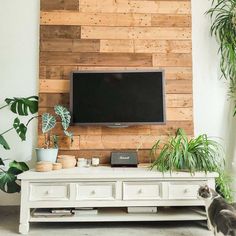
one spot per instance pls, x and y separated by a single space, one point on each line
197 154
22 107
50 150
223 15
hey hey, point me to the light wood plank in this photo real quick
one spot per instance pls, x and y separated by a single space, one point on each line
179 114
129 6
103 32
169 60
117 45
94 19
167 20
162 46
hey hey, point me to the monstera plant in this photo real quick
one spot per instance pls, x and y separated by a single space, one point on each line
50 150
223 28
21 107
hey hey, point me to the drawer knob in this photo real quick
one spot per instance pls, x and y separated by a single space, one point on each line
186 190
48 192
140 191
93 192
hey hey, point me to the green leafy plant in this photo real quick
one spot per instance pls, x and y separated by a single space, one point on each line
223 15
49 122
21 107
196 154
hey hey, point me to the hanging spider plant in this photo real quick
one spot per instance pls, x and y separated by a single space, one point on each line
223 15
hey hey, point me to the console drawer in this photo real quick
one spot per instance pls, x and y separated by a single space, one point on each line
141 190
47 192
96 191
183 190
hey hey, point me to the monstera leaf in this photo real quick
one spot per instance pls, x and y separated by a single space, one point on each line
8 180
21 166
64 114
4 143
20 128
1 162
48 122
23 106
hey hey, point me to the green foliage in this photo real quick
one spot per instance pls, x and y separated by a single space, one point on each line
223 15
23 106
196 154
64 115
48 122
1 162
4 143
20 128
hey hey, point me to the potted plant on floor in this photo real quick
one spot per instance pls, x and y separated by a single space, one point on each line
22 107
50 150
197 154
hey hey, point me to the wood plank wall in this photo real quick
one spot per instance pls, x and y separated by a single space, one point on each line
116 34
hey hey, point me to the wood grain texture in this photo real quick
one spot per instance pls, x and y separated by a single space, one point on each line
104 32
116 35
130 6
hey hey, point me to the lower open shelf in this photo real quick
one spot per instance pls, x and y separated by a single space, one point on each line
120 214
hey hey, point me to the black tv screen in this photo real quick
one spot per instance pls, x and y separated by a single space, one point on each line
117 98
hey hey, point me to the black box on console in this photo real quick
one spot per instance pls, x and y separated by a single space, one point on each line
124 159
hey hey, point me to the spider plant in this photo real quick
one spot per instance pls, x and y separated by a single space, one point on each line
196 154
223 15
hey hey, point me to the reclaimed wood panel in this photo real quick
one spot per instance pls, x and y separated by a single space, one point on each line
130 6
104 32
116 35
94 19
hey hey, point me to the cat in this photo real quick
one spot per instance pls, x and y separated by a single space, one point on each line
221 215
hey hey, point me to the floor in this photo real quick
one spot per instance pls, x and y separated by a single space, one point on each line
9 217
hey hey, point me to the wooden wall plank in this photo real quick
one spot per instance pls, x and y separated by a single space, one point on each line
129 6
94 19
171 20
63 72
162 46
104 32
59 31
96 59
59 5
70 45
171 60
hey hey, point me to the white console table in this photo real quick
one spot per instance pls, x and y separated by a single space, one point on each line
111 190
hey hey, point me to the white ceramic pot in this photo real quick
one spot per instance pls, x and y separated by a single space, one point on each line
44 154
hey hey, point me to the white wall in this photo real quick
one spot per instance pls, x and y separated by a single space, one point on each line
19 35
213 111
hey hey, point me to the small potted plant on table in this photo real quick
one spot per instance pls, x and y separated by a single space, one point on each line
49 152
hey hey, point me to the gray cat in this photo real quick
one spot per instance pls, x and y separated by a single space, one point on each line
221 215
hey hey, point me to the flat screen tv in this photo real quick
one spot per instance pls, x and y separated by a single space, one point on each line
117 99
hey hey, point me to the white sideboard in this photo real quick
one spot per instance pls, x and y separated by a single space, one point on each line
111 190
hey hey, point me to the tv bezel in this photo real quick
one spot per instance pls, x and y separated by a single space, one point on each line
117 124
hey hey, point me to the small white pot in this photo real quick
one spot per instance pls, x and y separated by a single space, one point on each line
49 154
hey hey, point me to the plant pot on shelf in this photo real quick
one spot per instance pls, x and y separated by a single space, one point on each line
46 154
